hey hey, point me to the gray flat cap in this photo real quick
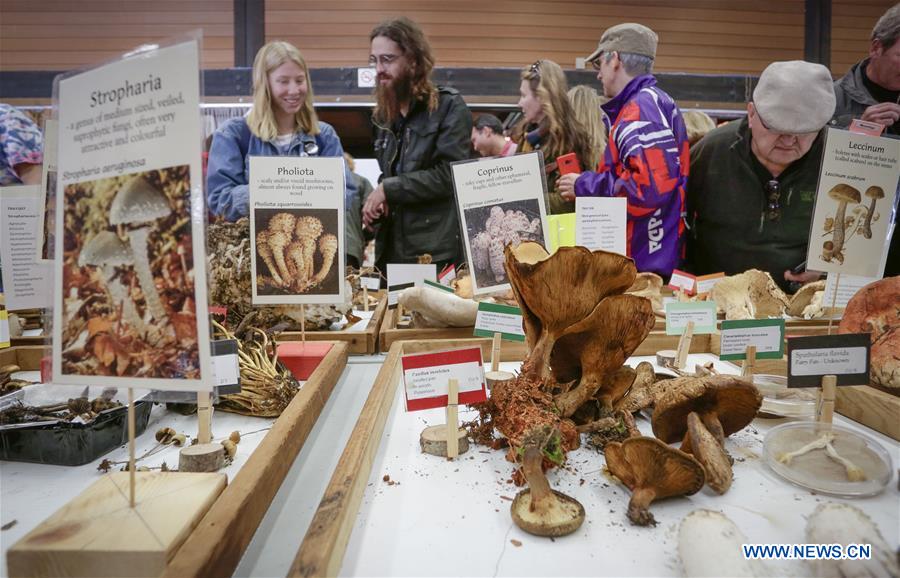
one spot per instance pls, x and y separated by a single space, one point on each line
628 37
795 97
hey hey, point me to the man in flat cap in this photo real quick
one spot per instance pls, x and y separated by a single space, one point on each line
753 181
871 88
646 160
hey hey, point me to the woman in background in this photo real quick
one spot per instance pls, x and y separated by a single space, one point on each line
551 126
586 105
282 122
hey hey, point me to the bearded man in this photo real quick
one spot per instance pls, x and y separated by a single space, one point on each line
420 129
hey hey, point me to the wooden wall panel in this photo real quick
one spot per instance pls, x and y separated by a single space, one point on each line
60 35
851 28
704 36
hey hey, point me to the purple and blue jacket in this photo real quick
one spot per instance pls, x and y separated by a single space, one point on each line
647 162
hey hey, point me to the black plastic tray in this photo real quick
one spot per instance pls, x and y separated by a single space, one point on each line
72 444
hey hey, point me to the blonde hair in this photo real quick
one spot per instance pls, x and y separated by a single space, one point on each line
586 105
261 119
565 133
697 123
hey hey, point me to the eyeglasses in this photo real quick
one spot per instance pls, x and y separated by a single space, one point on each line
535 68
384 59
595 63
773 196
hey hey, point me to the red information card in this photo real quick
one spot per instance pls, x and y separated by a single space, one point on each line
426 375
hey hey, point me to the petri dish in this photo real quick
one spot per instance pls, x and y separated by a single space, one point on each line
816 470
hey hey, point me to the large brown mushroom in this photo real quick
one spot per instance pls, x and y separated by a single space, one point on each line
843 194
875 309
652 471
724 403
540 510
556 293
752 294
873 193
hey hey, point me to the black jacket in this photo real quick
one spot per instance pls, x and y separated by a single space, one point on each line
414 156
852 99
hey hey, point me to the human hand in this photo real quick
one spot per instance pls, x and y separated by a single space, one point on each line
804 277
565 186
885 113
375 207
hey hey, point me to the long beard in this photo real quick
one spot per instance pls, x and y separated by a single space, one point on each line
389 96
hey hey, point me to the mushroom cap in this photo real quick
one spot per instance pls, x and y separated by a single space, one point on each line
803 296
105 248
710 454
645 462
563 518
843 192
875 192
735 402
138 202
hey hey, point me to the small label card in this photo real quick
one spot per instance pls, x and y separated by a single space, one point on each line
860 126
401 276
370 283
684 281
847 288
425 377
705 283
845 356
767 335
503 319
702 313
438 286
600 223
26 279
448 274
226 369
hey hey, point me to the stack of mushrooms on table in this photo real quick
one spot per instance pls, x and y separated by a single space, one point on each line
574 380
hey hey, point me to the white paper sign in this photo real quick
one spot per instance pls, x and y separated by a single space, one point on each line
365 77
736 341
848 286
48 192
834 361
130 220
854 200
226 369
500 201
403 273
370 283
432 381
600 223
297 211
26 280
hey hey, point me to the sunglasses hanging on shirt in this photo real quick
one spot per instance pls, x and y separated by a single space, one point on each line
773 200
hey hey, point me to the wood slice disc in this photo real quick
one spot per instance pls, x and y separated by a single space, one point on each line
666 358
434 440
492 378
201 458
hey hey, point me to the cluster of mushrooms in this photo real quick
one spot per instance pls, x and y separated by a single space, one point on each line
288 247
138 206
573 381
844 194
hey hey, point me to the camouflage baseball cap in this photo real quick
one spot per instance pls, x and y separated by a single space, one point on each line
628 37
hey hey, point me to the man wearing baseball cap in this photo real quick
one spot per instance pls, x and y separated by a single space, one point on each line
646 160
753 181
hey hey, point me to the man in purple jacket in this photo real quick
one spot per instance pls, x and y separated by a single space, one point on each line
648 154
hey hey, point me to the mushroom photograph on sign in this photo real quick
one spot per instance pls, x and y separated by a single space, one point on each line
129 307
297 251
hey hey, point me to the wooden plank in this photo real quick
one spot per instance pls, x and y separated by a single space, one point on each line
361 342
870 407
98 534
325 542
219 541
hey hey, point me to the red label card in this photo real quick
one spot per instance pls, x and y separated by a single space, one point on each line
683 281
426 375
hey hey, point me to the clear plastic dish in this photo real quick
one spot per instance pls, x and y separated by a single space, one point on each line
779 400
866 471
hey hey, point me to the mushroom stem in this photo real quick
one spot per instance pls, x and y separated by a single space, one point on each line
711 455
838 229
816 444
138 239
542 497
714 426
628 421
639 507
867 225
854 472
120 295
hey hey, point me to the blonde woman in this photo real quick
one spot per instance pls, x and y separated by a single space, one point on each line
551 125
282 122
586 104
697 123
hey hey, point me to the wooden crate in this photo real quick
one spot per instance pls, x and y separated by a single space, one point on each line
28 357
360 342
